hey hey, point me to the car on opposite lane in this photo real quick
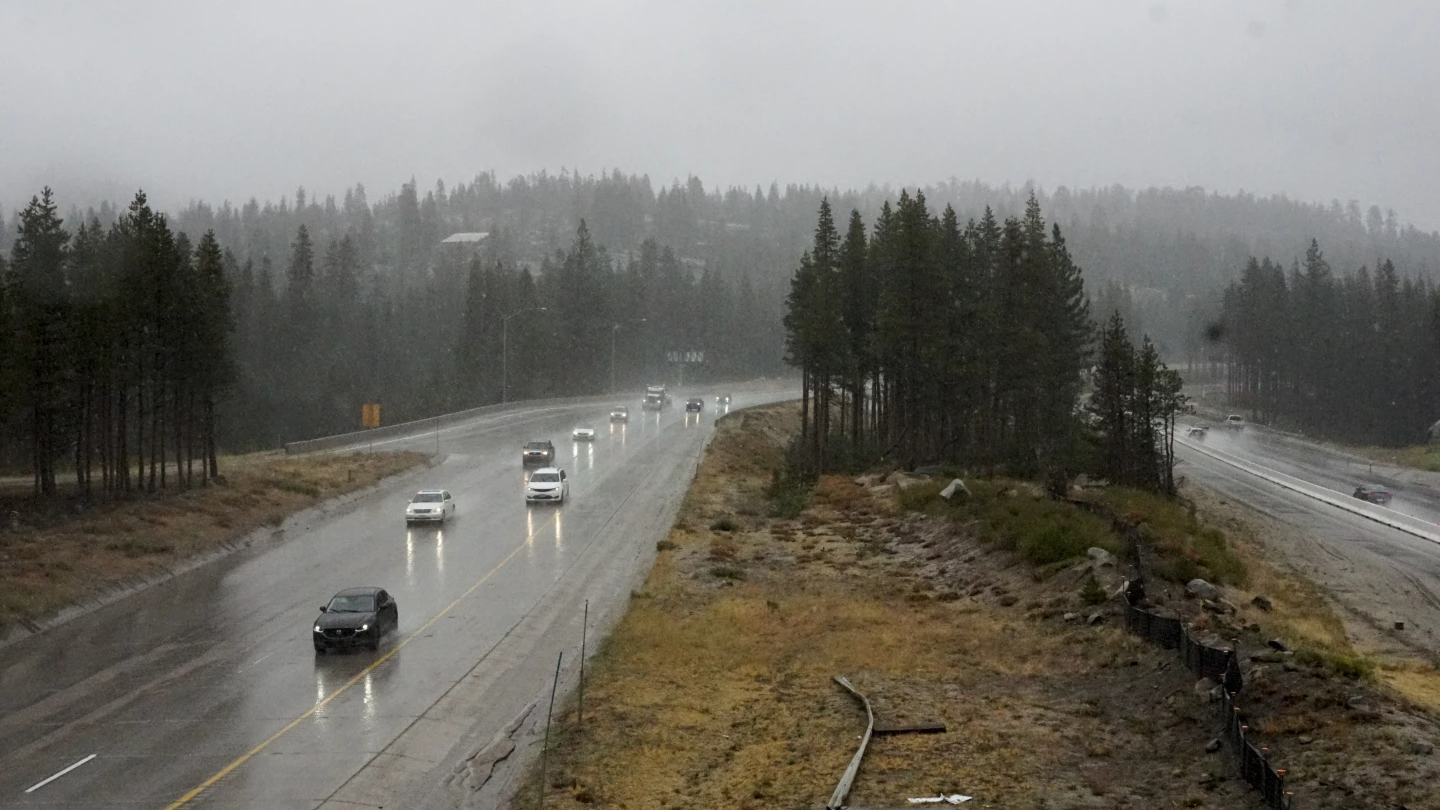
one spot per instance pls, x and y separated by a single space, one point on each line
355 617
1235 422
1376 495
694 405
539 452
723 399
583 434
547 485
430 506
1197 432
620 413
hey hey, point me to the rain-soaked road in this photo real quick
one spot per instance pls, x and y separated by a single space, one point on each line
1376 574
205 692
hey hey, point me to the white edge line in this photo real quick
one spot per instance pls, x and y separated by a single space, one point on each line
47 781
1308 490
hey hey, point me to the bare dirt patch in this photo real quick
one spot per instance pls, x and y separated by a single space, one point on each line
67 550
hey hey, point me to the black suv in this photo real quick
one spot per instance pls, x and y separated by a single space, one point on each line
539 452
355 617
694 405
1374 495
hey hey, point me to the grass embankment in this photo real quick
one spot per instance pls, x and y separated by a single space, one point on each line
61 556
1419 456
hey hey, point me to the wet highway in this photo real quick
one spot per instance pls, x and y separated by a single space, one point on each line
1375 574
205 691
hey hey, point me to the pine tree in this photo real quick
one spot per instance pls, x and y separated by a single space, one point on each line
1112 401
45 340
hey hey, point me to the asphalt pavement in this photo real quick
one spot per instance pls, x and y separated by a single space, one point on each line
204 691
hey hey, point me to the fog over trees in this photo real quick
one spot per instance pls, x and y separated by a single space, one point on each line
321 304
1349 355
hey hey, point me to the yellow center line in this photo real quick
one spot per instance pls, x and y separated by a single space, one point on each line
223 772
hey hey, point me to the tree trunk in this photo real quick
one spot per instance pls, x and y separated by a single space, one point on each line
210 437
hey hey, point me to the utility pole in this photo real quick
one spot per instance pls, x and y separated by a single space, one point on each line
613 329
505 351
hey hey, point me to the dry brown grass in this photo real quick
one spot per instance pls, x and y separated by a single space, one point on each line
1419 683
729 700
58 559
1300 611
716 692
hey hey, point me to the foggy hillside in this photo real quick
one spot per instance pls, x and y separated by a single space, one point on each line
1158 245
401 318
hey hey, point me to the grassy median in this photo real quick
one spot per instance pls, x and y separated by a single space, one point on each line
66 551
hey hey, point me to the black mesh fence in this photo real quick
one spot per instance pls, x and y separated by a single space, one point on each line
1217 663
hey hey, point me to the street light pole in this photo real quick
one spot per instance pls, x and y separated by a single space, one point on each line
613 329
505 351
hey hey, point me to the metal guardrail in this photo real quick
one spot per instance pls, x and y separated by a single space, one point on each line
420 427
1388 517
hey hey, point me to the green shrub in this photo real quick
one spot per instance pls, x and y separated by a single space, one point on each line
1186 547
666 545
1353 667
1178 569
789 490
1092 593
1055 542
724 523
1043 532
923 497
731 572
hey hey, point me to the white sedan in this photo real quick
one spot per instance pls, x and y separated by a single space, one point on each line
547 485
583 434
430 506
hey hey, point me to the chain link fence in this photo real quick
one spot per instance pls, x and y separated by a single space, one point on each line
1220 664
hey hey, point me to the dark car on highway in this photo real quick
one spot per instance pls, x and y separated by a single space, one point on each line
620 413
694 405
355 617
539 452
1374 495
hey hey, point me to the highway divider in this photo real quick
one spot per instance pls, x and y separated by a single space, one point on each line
1379 514
363 438
420 427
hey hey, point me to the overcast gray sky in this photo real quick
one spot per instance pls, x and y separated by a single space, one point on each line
228 100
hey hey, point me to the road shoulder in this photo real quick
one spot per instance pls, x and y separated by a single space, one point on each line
56 569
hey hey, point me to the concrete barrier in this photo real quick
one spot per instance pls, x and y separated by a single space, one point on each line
419 427
1355 506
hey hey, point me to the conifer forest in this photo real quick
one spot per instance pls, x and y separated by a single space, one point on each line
949 321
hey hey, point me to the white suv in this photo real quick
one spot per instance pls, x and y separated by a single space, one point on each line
547 485
430 506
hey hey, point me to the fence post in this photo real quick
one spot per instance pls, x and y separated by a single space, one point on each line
545 752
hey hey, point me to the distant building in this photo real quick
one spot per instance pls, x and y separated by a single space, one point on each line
465 238
463 245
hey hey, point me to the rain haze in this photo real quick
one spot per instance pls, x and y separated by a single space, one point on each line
1316 100
1064 372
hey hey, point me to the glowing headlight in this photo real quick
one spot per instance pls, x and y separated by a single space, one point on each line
317 628
364 627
